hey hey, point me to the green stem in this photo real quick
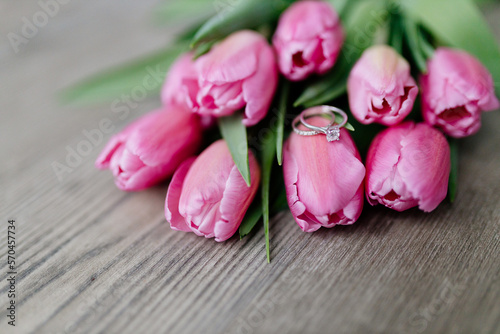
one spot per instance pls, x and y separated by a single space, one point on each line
426 47
396 33
411 30
281 121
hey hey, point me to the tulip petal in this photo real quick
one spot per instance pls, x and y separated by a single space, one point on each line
235 201
104 159
382 159
232 60
143 178
130 162
174 90
157 128
333 167
330 47
204 187
425 166
319 15
353 210
220 100
177 222
291 171
259 89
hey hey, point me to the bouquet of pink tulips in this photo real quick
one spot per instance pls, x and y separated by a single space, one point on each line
266 103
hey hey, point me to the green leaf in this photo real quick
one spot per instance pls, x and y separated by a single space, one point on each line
452 183
458 23
331 94
254 212
267 156
188 34
358 25
203 48
324 85
245 14
280 127
235 134
348 126
251 218
147 74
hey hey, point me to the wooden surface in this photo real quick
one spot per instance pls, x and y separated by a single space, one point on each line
93 259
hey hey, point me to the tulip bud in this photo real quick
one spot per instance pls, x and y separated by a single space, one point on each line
208 195
456 89
182 78
150 149
380 87
308 39
238 72
408 165
324 180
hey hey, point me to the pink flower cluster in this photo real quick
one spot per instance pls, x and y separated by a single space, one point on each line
455 90
408 164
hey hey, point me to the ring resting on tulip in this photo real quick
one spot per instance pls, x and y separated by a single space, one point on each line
332 130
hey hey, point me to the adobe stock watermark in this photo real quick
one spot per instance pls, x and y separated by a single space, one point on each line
447 295
120 108
32 25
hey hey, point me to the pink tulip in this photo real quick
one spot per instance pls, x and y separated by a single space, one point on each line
408 165
180 77
308 39
240 72
208 195
456 89
324 180
380 87
150 149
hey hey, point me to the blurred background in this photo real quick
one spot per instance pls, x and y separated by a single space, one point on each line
82 39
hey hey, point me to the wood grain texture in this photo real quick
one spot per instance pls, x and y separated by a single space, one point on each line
92 259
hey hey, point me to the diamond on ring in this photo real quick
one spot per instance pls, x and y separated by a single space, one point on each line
333 133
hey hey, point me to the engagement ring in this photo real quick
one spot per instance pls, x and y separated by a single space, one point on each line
332 130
